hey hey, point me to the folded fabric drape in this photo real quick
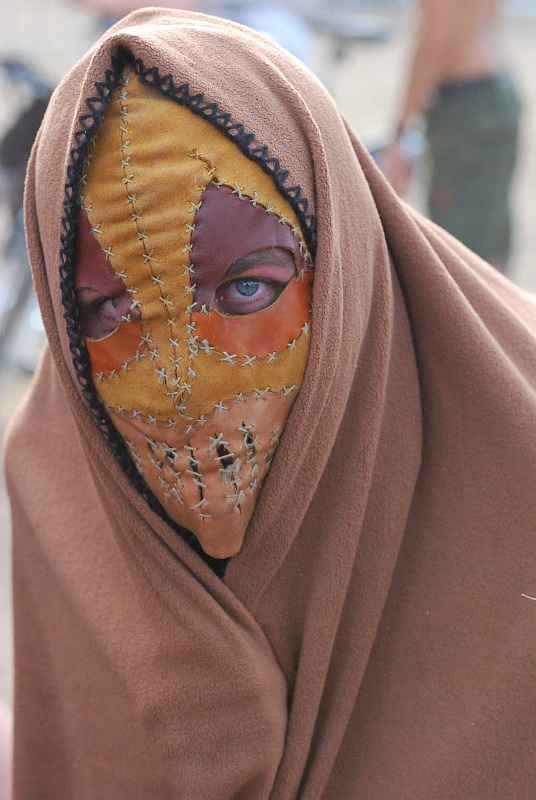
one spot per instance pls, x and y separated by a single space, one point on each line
373 638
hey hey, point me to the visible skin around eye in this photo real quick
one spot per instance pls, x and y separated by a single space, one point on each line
252 283
101 314
102 297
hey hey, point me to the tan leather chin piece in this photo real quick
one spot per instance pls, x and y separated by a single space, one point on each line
208 479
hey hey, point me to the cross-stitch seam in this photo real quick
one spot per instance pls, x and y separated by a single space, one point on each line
88 124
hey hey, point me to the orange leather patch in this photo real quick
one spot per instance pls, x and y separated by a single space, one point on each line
267 331
110 353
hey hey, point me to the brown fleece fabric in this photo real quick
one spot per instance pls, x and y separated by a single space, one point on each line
374 639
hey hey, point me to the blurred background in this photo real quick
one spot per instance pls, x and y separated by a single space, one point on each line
360 49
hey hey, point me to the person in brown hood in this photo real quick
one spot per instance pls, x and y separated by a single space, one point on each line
271 487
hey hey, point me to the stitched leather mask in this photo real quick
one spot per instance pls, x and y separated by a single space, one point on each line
194 290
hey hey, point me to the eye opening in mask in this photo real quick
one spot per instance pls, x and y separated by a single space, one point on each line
255 281
102 313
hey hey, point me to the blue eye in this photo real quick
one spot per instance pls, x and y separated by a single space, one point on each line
247 287
259 278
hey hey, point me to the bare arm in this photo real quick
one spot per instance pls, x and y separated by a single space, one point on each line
435 41
435 38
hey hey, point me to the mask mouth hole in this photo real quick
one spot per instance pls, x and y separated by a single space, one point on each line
250 443
230 466
196 476
225 458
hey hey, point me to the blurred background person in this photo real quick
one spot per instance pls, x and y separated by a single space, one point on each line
460 86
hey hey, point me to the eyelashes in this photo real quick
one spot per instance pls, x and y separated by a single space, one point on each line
247 295
254 282
101 315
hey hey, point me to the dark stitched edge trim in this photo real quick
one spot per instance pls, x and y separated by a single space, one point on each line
237 133
88 123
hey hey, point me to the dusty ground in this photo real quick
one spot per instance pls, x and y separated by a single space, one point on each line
54 34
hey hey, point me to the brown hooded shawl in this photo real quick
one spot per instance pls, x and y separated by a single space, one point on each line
374 639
